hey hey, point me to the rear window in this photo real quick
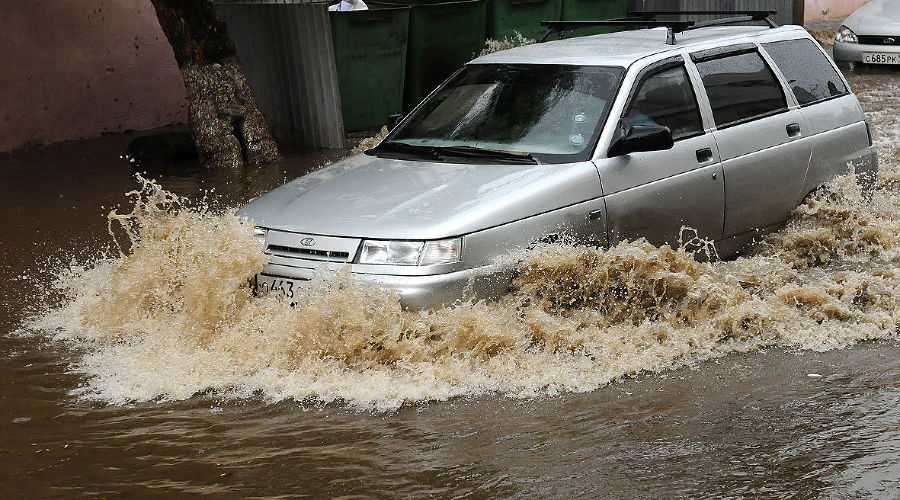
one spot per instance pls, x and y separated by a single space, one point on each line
741 87
810 75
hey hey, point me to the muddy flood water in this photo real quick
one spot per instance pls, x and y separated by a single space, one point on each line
633 372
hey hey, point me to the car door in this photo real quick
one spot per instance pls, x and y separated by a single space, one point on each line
837 131
760 138
656 194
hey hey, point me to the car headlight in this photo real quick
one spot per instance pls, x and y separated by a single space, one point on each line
411 253
260 234
845 34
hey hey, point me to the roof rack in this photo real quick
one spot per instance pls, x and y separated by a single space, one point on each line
738 16
732 20
555 27
648 19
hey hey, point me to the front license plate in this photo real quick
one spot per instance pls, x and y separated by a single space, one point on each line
264 285
880 58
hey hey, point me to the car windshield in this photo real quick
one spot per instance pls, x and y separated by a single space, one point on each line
545 113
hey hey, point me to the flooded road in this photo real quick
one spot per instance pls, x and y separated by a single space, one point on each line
776 375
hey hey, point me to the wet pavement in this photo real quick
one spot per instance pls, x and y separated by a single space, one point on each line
773 422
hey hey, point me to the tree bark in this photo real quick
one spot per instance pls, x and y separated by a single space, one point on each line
227 126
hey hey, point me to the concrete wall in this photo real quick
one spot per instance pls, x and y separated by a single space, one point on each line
73 69
817 10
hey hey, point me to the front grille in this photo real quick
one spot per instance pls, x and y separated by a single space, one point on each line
879 40
310 253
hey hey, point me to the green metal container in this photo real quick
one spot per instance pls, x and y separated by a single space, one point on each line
505 18
593 10
370 48
442 38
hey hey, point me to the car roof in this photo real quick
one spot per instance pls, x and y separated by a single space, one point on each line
625 47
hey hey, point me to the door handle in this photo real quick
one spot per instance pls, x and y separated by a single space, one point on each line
793 129
704 155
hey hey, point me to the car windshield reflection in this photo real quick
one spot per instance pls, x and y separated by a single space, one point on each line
510 113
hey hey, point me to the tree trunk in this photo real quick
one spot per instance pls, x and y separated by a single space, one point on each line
228 128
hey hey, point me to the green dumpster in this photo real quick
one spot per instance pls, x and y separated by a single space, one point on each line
370 56
505 18
442 37
593 10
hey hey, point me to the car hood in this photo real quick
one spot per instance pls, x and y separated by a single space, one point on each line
879 17
369 197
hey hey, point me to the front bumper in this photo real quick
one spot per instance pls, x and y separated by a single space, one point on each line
853 52
422 292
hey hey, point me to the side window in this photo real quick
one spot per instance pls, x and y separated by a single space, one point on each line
667 99
809 74
741 87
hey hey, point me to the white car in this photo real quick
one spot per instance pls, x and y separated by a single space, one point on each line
871 35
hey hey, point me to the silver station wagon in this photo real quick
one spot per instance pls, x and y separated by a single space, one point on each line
594 139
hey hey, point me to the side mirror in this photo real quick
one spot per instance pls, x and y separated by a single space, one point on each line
393 121
642 138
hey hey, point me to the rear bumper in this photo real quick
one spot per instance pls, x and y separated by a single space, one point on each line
853 52
423 292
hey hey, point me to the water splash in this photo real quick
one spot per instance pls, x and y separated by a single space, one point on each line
172 315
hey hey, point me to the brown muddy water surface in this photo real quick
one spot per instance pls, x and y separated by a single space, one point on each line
634 372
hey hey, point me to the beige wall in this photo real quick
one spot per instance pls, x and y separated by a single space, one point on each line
73 69
816 10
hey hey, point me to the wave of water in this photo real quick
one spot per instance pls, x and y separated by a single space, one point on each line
172 316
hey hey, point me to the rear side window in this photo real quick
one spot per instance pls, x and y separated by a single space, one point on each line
809 74
667 99
741 87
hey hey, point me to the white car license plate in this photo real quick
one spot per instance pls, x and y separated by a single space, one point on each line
880 58
289 288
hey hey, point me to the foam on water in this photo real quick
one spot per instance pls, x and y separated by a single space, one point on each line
172 315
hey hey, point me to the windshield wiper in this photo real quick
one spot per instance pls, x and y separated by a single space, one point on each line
491 154
409 149
440 152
